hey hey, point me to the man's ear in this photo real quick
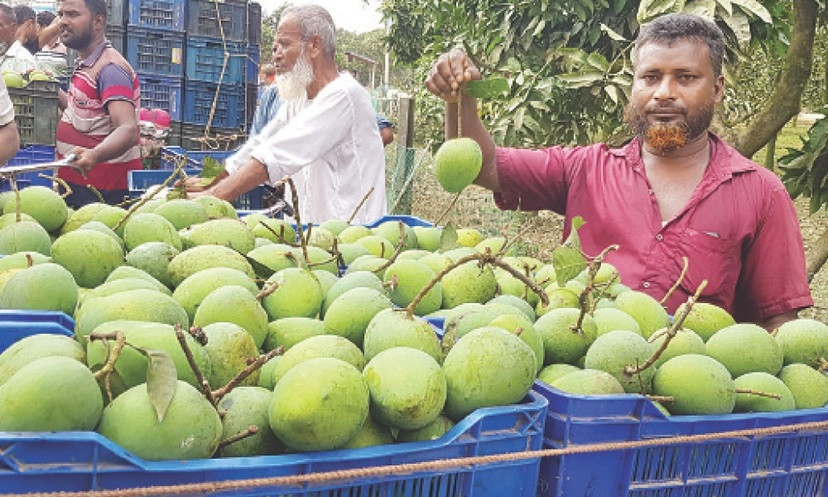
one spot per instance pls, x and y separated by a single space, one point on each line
314 44
719 89
100 22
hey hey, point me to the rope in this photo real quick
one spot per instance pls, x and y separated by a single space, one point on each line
463 463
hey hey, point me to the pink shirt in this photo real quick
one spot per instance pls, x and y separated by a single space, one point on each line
739 229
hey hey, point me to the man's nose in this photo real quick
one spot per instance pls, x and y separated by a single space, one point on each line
665 89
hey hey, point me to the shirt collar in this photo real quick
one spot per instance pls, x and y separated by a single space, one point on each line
95 55
722 163
14 49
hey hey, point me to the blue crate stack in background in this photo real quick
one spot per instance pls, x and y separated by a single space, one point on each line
177 49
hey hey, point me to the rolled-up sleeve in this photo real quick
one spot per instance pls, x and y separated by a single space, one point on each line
532 180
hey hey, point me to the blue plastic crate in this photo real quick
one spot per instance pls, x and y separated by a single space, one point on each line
157 14
198 102
254 23
789 465
205 60
13 331
83 461
29 316
170 156
161 92
115 15
155 51
411 221
203 18
254 56
30 155
141 180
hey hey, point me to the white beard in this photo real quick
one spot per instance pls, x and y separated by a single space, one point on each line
293 84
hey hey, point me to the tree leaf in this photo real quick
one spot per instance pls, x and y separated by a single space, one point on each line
581 79
259 269
739 25
612 33
568 259
701 8
162 380
448 238
755 8
598 61
487 89
212 168
649 9
612 92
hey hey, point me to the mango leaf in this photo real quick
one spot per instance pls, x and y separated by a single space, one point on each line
612 92
612 33
568 260
598 61
650 9
162 379
701 8
259 269
582 79
448 238
212 168
487 88
740 25
755 8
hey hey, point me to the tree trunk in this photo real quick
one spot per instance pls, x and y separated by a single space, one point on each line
785 101
817 256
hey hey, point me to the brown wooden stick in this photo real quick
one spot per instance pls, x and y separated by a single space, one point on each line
671 332
202 381
359 205
256 364
249 432
678 282
760 394
397 251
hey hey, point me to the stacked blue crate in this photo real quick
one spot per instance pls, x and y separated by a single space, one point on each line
155 49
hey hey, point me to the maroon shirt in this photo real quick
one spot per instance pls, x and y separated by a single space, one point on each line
739 229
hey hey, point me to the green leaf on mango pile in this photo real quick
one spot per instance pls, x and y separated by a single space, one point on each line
487 88
259 269
210 170
448 238
162 380
568 259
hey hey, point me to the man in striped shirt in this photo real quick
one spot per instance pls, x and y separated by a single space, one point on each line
100 118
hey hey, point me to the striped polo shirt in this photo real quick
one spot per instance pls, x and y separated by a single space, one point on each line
102 77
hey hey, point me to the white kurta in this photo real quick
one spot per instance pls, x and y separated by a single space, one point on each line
331 148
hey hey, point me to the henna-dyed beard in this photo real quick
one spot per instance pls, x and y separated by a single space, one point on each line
664 138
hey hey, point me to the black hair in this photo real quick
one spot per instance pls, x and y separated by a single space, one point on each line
45 18
8 12
97 7
23 13
671 27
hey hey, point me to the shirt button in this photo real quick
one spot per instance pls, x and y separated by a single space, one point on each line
646 284
659 237
650 191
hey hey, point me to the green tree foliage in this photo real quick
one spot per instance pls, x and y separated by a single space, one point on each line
568 62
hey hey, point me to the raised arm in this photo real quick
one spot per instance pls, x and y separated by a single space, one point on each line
445 80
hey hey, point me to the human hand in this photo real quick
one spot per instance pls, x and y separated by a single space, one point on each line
85 159
194 184
448 74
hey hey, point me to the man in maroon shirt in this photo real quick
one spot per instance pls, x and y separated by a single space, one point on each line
675 191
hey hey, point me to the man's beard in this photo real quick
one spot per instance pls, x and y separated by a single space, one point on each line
78 41
293 84
669 137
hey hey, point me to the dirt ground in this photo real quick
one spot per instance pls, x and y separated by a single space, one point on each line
541 232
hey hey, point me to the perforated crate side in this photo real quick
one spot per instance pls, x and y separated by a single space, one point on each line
205 60
36 112
253 61
229 106
254 23
203 19
161 92
81 461
218 139
790 464
155 51
158 14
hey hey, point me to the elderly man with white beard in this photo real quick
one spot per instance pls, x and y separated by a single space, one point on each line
324 136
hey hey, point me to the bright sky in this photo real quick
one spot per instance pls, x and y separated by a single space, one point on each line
353 15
